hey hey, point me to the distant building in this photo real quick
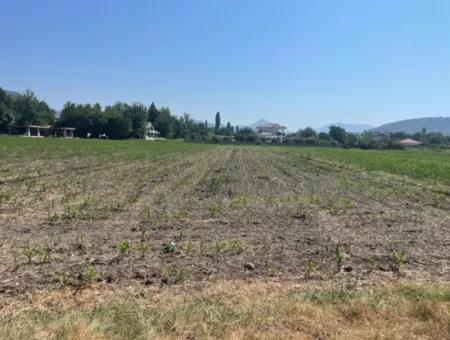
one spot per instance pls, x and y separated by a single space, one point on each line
41 131
150 132
408 142
271 132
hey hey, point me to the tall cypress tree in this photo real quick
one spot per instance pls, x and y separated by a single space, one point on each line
217 122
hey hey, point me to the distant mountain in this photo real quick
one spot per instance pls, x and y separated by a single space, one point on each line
259 122
354 128
431 124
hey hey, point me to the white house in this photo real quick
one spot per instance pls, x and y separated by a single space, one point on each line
272 132
150 132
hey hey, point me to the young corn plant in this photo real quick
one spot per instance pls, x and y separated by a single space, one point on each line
144 248
399 258
90 273
373 263
170 247
124 247
29 251
46 253
339 257
310 268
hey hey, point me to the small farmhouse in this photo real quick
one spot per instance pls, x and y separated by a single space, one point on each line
150 132
271 133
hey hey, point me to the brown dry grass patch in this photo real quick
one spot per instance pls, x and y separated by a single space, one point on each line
238 310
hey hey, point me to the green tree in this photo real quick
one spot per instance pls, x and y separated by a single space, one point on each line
337 133
6 111
164 123
217 122
307 132
153 113
117 125
138 116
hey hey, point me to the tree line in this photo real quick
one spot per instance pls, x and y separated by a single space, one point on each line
122 120
118 121
337 136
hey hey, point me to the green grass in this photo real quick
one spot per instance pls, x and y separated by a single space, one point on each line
44 148
432 166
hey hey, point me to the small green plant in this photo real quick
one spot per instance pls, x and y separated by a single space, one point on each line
219 246
78 244
170 247
373 263
216 207
46 253
175 275
124 246
143 248
29 251
399 258
339 257
90 273
146 213
142 231
310 268
236 247
189 247
63 279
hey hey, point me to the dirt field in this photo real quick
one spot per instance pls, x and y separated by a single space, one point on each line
232 212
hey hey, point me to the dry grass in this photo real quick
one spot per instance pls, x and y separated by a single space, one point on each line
236 310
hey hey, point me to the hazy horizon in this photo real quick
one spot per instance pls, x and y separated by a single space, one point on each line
298 63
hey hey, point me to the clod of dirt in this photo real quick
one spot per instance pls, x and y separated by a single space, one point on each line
249 266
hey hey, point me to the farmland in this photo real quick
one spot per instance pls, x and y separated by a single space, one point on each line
132 218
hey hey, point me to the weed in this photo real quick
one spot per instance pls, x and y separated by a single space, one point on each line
175 275
219 246
236 247
78 244
216 207
189 247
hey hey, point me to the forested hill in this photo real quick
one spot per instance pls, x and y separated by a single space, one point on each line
432 124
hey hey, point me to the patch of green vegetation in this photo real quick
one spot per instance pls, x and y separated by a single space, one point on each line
422 164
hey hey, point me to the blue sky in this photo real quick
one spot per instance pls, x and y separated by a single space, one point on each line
294 62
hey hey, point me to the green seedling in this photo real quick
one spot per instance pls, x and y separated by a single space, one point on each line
46 253
373 263
399 259
90 273
189 247
143 248
29 251
339 257
310 268
219 246
170 247
124 246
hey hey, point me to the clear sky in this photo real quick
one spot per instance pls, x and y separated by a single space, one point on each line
294 62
